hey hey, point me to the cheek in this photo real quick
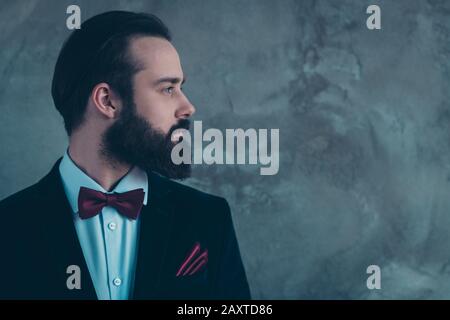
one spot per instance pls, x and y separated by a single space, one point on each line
156 110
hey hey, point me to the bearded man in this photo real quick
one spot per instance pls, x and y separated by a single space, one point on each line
107 222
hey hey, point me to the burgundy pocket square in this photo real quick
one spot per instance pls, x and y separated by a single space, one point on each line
193 262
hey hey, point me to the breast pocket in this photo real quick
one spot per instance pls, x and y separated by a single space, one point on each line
194 286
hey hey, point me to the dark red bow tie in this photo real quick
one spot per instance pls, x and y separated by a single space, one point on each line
91 202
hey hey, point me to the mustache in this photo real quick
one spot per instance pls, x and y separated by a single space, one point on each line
182 124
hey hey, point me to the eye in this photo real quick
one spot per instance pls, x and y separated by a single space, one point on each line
169 90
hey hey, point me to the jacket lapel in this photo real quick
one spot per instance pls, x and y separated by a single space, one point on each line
63 244
155 233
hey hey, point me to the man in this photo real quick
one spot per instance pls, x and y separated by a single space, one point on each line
105 223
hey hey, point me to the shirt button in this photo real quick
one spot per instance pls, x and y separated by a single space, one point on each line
117 282
112 226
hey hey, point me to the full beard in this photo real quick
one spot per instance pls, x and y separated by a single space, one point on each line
132 140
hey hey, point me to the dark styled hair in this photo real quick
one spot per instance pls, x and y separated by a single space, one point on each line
98 52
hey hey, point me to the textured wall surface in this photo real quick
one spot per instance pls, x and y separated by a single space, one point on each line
364 131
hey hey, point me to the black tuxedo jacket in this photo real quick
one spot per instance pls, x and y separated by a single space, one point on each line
38 241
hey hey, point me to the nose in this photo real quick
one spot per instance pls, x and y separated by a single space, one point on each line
186 109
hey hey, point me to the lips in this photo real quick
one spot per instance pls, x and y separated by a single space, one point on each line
177 135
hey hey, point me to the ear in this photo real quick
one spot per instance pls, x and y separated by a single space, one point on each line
105 100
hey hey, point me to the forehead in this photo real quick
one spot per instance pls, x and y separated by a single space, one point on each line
157 57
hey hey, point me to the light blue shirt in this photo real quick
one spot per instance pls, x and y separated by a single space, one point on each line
108 240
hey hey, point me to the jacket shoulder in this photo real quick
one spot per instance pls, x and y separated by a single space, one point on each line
191 197
32 195
196 214
20 199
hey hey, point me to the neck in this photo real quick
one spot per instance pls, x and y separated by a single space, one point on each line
85 152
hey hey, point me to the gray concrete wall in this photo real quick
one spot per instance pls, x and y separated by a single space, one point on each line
364 131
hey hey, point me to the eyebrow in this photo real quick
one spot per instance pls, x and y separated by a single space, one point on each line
173 80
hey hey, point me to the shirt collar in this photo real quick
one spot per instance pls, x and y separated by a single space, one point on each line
73 178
